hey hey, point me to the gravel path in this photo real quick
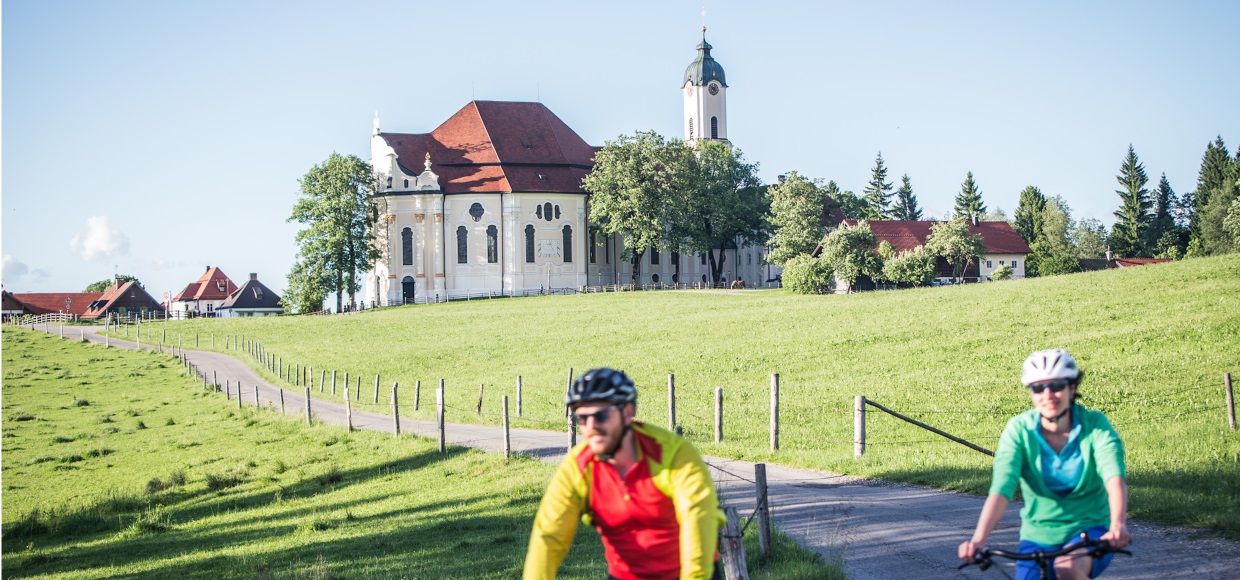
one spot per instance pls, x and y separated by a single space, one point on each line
881 530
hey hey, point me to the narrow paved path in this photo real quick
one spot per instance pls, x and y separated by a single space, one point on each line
882 530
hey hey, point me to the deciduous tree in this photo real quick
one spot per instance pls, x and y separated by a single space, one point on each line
1089 236
723 205
796 216
851 253
104 284
335 206
954 241
914 267
805 274
853 207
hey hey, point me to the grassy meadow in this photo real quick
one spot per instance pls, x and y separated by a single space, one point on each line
115 463
1154 343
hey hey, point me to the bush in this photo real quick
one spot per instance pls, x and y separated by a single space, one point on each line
220 481
914 267
807 275
1003 272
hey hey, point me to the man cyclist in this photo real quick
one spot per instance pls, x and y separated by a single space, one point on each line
1069 463
646 490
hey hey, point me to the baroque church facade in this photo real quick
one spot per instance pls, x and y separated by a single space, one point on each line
490 202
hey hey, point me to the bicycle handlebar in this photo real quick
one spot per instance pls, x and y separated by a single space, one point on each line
1101 548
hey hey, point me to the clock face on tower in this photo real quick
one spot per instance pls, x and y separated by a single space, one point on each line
713 88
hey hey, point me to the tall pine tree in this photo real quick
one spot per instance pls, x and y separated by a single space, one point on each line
1210 178
1162 238
1132 217
877 192
906 202
969 200
1028 216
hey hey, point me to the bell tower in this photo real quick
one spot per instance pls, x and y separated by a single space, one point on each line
705 93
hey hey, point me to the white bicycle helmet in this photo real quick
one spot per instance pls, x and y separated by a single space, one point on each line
1049 365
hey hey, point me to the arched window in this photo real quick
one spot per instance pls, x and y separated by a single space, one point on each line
406 183
462 245
557 212
547 211
492 245
703 256
568 244
476 212
714 127
690 129
538 211
406 247
529 244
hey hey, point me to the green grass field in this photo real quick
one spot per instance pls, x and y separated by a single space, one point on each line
117 464
1153 341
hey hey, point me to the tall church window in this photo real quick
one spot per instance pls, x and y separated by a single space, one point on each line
538 211
492 245
529 244
547 211
714 127
703 256
593 247
557 212
568 244
406 247
462 245
675 258
654 257
690 129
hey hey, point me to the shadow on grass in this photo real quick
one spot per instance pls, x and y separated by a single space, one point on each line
420 538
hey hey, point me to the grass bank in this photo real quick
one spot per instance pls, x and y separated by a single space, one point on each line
1154 342
117 464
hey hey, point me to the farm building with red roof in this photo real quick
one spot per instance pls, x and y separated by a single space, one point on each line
123 298
204 295
74 303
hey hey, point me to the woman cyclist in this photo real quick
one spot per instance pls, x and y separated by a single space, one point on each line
1069 463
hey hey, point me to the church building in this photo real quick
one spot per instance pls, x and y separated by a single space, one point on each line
491 203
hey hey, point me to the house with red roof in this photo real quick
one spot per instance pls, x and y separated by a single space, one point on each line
1004 247
204 295
123 298
74 303
491 201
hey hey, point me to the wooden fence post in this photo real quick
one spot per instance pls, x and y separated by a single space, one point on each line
239 395
395 411
518 395
227 389
774 415
718 414
572 430
215 381
333 383
376 389
256 403
297 376
282 411
358 395
322 380
417 393
859 426
308 405
507 438
1231 402
764 512
566 389
348 407
481 386
439 416
732 549
671 401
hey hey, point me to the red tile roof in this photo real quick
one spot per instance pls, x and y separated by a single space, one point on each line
121 296
999 237
498 146
50 302
1127 262
212 285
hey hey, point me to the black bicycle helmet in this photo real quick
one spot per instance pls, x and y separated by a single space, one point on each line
601 386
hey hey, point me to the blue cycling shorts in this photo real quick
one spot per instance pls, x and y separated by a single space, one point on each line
1028 569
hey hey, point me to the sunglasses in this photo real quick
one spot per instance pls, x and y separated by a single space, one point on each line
1055 387
599 416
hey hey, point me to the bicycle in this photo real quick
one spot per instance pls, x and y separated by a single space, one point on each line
1044 559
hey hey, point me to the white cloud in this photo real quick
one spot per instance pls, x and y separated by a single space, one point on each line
100 241
14 271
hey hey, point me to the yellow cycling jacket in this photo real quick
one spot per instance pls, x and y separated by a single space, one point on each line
676 469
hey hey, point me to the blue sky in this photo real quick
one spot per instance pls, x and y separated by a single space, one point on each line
155 138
